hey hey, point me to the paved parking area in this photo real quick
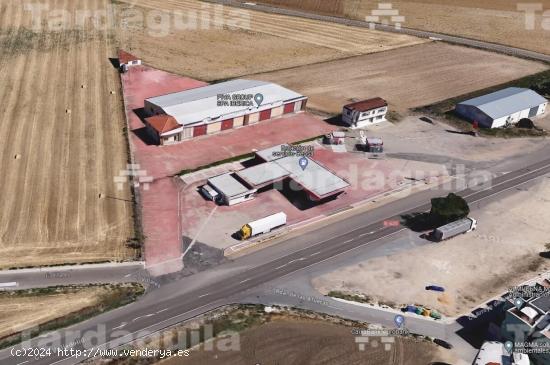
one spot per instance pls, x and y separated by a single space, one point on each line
370 179
160 202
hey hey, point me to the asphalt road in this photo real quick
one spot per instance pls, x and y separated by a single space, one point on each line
512 51
73 275
191 296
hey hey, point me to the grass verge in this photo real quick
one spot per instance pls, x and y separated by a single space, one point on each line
350 297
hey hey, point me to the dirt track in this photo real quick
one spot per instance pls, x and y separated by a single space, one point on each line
61 144
406 77
497 21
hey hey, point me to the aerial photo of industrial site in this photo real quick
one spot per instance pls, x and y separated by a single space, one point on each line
275 182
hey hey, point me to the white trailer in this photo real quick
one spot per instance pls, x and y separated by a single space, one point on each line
455 228
264 225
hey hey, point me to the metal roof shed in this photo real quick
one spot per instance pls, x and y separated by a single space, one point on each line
507 105
262 175
316 179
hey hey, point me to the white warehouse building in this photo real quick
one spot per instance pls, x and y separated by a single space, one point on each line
503 107
214 108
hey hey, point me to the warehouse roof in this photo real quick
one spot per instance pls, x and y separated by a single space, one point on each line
505 102
263 174
369 104
201 104
227 185
542 303
269 154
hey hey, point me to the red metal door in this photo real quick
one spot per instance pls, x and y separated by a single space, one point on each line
199 130
227 124
265 114
289 108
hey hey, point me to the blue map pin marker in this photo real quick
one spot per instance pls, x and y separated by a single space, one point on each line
259 98
399 320
509 346
518 302
303 163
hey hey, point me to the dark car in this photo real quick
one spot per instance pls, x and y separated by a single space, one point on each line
442 343
435 288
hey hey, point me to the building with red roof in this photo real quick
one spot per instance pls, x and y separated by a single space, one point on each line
365 113
164 129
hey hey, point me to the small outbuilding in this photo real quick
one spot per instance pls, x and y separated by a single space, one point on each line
502 108
365 113
127 60
230 189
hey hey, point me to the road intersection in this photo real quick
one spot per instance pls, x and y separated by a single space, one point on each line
184 298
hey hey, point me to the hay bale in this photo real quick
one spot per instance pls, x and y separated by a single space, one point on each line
17 156
68 111
112 92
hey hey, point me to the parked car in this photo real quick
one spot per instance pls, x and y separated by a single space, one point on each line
409 308
435 288
442 343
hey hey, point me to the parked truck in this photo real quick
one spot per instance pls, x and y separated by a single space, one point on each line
264 225
452 229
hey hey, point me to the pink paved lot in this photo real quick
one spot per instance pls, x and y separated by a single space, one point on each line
368 179
159 203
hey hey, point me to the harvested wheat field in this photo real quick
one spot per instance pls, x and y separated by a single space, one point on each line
497 21
406 77
61 143
302 342
241 42
27 309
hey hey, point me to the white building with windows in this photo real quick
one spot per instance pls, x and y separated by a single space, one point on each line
365 113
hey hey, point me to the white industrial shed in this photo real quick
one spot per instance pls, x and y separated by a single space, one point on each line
503 107
213 108
231 190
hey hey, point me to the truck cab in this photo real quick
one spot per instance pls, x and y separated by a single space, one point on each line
474 224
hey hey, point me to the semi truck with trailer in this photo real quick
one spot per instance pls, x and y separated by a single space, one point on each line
261 226
452 229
